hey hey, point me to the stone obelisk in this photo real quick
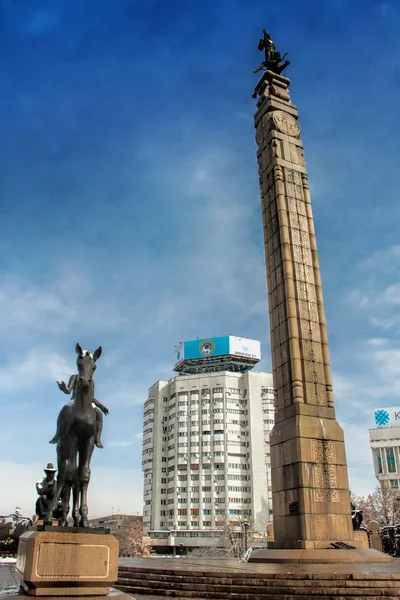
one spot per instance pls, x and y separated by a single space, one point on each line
310 490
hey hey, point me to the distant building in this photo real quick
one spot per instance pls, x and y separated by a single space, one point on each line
114 522
206 454
385 445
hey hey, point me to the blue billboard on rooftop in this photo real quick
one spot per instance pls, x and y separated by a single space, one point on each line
207 347
217 346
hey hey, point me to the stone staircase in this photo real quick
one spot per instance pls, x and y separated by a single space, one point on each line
241 585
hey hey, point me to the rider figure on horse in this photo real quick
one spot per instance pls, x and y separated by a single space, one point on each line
71 387
273 59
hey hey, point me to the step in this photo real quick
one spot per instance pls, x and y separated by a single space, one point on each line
321 580
134 572
184 595
245 593
250 586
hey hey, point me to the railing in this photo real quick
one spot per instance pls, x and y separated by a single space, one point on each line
390 536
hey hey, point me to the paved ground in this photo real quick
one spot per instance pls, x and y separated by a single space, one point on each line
7 576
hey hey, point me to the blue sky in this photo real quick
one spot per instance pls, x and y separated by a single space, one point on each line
130 210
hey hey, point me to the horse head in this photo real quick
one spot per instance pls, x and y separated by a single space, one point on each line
86 363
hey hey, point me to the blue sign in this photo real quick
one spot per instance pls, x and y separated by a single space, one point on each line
218 346
382 417
387 417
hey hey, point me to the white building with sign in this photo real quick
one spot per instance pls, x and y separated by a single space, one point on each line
206 456
385 445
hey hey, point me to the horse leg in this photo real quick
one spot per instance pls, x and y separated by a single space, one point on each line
85 455
65 496
76 492
68 474
70 478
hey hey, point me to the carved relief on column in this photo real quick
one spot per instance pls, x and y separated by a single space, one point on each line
295 376
285 123
319 299
325 471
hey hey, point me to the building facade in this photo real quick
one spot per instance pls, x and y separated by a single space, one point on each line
114 521
385 446
206 453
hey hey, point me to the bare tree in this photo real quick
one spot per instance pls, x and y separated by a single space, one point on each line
133 540
383 505
237 533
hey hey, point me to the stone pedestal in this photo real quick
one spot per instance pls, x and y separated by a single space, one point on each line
65 563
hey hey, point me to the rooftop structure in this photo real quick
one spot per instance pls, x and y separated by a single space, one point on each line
214 354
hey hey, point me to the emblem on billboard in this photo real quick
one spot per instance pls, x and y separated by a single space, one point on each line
207 347
382 417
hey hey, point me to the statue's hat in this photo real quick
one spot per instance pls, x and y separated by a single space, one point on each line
50 468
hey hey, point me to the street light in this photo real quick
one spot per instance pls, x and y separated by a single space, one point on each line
246 526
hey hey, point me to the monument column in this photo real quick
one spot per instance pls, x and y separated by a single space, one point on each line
310 490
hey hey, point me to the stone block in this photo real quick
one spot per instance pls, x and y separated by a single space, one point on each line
361 536
67 564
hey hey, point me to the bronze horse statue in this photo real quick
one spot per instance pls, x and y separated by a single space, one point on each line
75 445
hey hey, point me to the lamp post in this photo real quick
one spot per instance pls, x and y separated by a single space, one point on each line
246 525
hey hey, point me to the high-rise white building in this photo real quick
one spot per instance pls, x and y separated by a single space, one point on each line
206 442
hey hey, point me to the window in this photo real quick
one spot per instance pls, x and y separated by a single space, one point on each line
394 483
379 460
391 464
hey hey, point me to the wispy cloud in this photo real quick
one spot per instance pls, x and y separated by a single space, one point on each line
31 370
121 444
377 293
